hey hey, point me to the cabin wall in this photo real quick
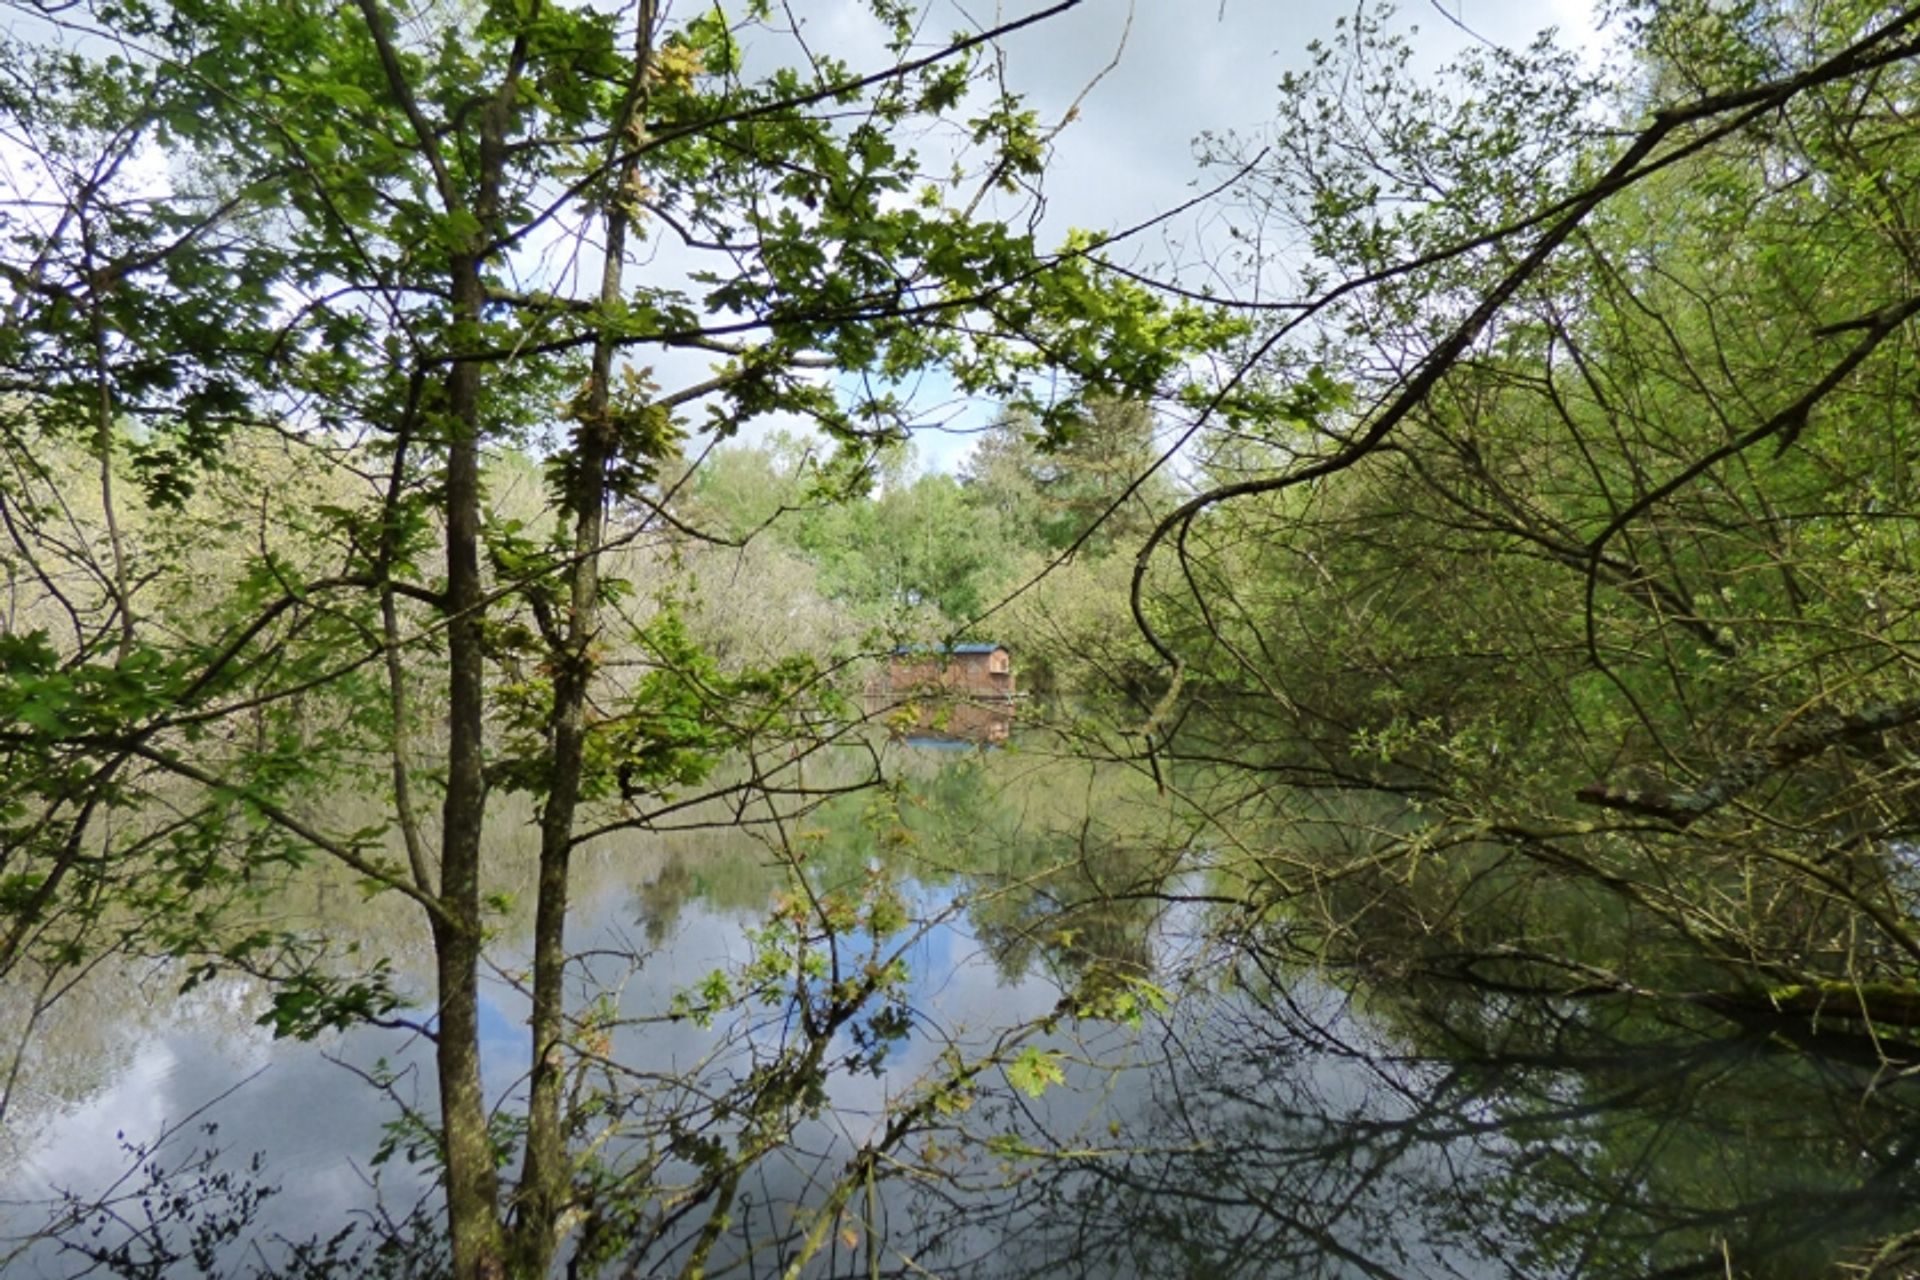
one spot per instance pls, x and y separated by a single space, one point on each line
972 675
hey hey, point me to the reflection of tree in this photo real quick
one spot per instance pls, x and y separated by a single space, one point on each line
1657 1139
660 899
182 1208
1091 911
1058 861
66 1050
1668 1121
1606 1105
1571 567
1254 1150
1039 857
1275 1135
1064 860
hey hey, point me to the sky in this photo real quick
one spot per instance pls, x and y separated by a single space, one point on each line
1152 75
1193 65
1148 77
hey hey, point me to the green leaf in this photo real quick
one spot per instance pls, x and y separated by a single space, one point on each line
1034 1070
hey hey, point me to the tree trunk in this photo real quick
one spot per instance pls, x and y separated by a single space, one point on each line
546 1173
473 1212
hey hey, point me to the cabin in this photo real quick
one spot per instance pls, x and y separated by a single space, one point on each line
983 671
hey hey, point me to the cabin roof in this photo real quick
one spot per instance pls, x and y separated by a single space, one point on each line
971 646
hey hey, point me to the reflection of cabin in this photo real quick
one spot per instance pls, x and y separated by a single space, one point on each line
965 670
969 723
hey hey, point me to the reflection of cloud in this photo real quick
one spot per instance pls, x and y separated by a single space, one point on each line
315 1124
135 1105
505 1037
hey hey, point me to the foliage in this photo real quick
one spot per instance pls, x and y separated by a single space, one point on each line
1098 485
339 232
1572 632
1523 641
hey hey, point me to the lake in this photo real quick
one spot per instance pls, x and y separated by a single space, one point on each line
1242 1106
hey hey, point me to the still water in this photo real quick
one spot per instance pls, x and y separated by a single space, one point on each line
1273 1119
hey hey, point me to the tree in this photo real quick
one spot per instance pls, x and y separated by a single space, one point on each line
398 239
1099 484
1576 585
917 557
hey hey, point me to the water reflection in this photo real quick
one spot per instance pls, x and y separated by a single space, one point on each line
1295 1113
655 918
944 722
1283 1135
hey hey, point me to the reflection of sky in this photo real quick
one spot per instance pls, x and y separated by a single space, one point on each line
301 1106
317 1124
504 1037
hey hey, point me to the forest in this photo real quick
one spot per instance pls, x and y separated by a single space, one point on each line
472 476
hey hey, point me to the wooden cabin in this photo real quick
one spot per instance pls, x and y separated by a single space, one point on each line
983 671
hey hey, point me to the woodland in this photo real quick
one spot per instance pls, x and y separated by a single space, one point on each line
463 464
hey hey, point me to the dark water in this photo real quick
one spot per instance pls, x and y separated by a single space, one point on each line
1273 1120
